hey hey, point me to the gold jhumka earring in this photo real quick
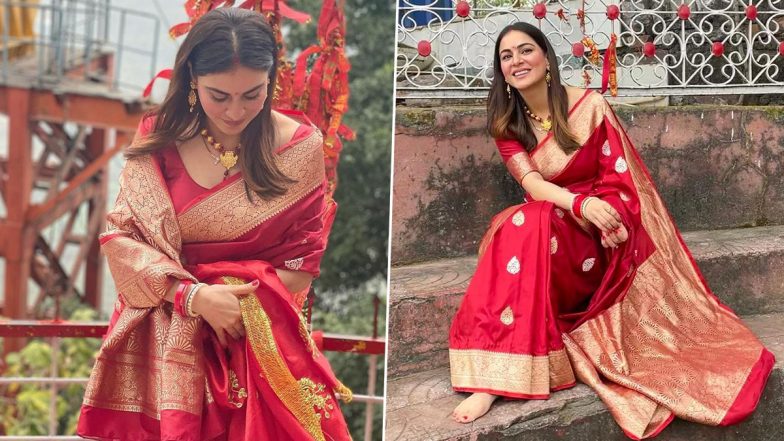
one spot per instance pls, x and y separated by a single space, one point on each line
192 98
547 77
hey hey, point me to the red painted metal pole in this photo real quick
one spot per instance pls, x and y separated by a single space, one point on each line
93 274
18 246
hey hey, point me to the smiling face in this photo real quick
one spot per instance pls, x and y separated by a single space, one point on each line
523 62
233 98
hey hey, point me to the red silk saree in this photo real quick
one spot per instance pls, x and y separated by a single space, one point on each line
159 375
549 305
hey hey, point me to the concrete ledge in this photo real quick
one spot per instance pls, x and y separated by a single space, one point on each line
418 408
715 166
742 266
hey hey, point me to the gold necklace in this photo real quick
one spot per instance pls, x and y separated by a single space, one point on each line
228 158
546 123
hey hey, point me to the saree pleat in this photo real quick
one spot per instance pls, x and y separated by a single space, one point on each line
639 323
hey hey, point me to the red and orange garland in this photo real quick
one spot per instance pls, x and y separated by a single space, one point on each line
609 71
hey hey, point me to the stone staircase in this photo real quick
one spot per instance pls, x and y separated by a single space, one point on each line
719 170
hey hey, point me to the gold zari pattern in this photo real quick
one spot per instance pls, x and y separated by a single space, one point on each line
274 369
228 214
507 316
519 165
513 373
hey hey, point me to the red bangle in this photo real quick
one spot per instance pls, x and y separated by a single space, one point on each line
577 205
179 306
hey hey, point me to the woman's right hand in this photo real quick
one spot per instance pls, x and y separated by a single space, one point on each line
219 305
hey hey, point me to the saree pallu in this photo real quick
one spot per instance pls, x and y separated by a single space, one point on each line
548 305
159 375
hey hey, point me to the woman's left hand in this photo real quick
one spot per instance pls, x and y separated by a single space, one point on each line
615 237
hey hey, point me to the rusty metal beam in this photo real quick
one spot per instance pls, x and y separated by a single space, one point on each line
92 110
18 245
37 212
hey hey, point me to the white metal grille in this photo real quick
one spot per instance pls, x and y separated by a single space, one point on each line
695 47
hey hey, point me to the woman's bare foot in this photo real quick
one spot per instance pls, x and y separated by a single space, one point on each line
473 407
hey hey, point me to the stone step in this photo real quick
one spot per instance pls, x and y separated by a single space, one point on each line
418 408
716 167
743 267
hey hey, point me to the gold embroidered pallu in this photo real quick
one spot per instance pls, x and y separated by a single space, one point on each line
149 380
652 341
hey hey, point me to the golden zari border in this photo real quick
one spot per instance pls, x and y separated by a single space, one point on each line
520 165
143 203
148 363
668 346
228 214
296 395
549 159
519 374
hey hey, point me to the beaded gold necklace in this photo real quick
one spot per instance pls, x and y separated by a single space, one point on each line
228 158
546 123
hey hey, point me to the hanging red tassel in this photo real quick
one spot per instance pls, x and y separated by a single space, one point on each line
165 73
324 91
279 7
609 69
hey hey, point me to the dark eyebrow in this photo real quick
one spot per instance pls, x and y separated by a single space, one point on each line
212 89
516 47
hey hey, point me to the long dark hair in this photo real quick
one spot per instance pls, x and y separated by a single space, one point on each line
217 42
506 117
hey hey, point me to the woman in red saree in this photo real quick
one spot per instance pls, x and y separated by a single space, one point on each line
229 358
590 279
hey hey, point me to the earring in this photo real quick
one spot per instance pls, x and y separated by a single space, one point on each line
547 77
192 96
508 91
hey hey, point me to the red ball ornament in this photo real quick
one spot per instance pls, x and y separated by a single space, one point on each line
649 49
613 12
463 8
684 12
751 12
578 50
717 49
424 48
540 10
781 48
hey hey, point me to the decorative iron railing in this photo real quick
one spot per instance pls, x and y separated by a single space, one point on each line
664 47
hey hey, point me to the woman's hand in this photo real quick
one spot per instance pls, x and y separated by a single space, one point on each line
220 307
615 237
602 214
